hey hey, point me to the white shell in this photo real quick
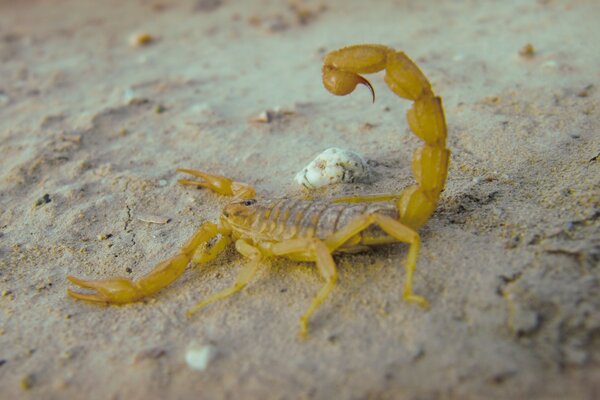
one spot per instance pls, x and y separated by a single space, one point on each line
332 166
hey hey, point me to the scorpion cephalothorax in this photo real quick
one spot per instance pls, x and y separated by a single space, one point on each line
314 230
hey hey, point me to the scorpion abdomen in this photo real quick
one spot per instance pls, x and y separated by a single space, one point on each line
286 218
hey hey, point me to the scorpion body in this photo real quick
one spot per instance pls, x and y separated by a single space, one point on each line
313 230
284 219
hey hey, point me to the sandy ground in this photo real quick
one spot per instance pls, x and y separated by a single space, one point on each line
92 129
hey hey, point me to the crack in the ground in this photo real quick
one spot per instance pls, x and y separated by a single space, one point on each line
129 218
127 223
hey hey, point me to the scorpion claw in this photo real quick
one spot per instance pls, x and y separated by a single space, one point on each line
114 291
218 184
90 297
82 282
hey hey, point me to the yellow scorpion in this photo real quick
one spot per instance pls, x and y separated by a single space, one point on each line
313 230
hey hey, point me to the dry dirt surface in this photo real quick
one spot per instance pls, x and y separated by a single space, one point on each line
100 102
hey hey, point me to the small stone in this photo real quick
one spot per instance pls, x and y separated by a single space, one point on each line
45 199
527 51
198 357
141 39
26 382
263 117
585 92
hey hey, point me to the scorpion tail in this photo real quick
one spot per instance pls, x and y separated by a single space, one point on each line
426 119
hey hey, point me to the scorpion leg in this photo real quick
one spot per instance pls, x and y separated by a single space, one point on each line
204 254
218 184
122 290
245 275
325 264
393 228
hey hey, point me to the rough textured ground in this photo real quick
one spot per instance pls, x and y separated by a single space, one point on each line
510 261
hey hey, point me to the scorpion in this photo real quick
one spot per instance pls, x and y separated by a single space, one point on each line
313 230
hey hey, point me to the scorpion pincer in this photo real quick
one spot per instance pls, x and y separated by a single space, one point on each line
313 230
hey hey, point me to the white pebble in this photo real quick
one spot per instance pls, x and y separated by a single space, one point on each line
332 166
198 358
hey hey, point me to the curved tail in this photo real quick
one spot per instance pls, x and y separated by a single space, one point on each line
341 75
